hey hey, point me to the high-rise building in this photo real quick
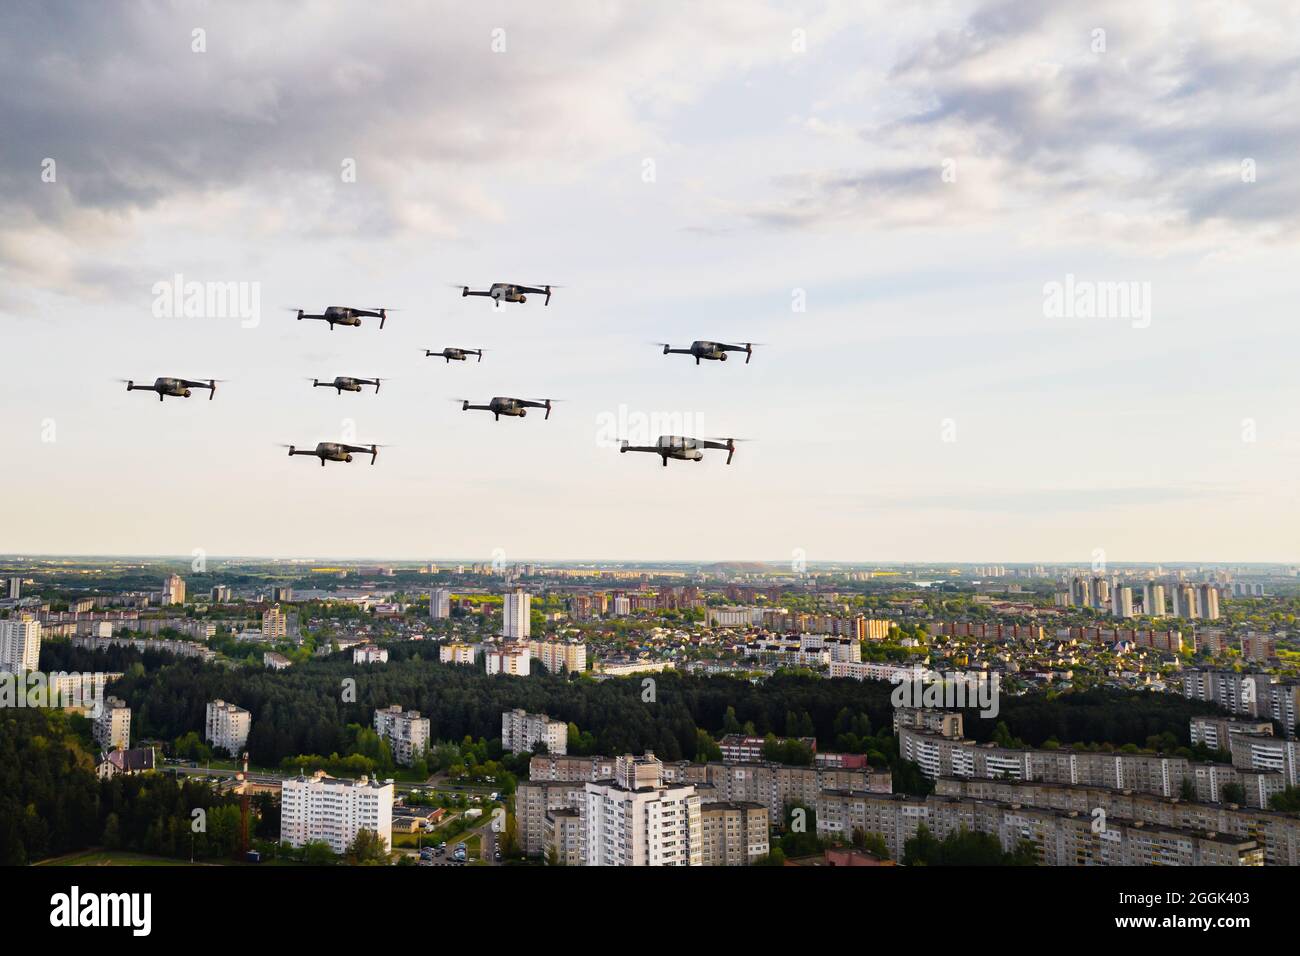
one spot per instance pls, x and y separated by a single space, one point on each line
20 644
1185 602
406 731
440 604
323 808
221 594
1153 600
522 731
15 588
274 624
733 833
112 728
1121 602
227 727
173 591
516 620
282 595
1208 597
638 821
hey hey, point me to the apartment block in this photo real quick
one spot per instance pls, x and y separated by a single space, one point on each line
20 644
521 732
456 653
513 659
227 727
745 749
1278 834
406 731
560 657
323 808
637 820
1214 732
733 833
112 728
1060 837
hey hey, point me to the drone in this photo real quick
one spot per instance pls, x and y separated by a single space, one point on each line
346 383
175 387
713 351
683 449
337 451
506 292
514 407
345 315
455 355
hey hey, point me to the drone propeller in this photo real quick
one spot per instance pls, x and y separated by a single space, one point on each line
730 445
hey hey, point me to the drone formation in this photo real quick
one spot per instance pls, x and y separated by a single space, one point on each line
667 447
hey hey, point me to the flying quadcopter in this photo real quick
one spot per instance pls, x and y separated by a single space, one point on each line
455 355
175 387
713 351
683 449
514 407
345 315
346 383
337 451
507 292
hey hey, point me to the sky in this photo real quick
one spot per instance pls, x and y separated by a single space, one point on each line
888 196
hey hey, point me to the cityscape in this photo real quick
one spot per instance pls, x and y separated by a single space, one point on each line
451 444
735 714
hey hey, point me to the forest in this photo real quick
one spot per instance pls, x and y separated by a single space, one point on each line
308 708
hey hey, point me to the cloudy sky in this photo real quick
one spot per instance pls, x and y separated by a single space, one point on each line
884 194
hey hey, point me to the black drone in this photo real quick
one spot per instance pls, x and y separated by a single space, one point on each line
713 351
346 383
337 451
683 449
455 355
514 407
506 292
175 387
345 315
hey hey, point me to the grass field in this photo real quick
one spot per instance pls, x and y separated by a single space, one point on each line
112 858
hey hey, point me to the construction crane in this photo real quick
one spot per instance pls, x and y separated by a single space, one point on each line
242 790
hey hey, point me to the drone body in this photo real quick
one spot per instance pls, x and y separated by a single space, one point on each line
455 354
337 451
345 315
512 407
713 351
175 387
683 449
508 292
346 383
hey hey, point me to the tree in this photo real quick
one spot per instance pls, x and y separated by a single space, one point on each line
366 849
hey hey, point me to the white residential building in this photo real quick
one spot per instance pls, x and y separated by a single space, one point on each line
638 821
521 731
20 644
406 731
440 604
112 728
508 659
323 808
456 653
227 727
516 620
560 657
369 654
